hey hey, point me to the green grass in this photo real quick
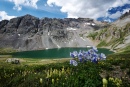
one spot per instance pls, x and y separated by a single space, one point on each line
127 48
102 43
42 73
125 54
93 35
7 50
32 61
59 73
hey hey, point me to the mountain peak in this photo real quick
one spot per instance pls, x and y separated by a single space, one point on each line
29 16
125 15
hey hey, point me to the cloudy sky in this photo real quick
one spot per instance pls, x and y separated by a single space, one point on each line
107 10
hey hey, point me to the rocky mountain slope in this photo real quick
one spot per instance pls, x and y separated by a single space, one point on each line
31 33
116 36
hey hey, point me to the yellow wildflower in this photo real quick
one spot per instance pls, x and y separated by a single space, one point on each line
104 80
41 80
53 81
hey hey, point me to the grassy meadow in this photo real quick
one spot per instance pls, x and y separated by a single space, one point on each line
113 72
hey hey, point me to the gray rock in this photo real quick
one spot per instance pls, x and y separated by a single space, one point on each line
31 33
2 24
13 60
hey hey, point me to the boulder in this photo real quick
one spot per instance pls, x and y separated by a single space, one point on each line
13 60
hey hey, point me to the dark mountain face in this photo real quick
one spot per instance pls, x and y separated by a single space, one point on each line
30 24
2 24
31 33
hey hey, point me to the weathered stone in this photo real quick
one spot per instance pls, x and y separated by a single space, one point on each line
13 60
31 33
2 24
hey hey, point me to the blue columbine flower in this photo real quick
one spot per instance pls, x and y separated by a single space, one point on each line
80 59
103 56
73 62
95 60
90 55
72 55
95 49
75 53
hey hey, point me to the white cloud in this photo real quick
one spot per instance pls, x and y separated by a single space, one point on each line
87 8
126 10
120 2
108 20
4 15
20 3
116 15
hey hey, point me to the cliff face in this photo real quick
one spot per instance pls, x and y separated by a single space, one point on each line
31 33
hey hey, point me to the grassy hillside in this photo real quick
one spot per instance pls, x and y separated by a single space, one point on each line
111 36
6 50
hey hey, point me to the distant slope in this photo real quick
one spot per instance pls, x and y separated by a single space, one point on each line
123 20
116 36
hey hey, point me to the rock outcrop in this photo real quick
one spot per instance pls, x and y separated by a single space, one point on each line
125 15
31 33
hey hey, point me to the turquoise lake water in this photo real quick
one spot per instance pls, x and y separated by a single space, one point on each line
54 53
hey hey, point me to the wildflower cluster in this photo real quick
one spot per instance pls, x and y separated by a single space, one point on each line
84 56
55 72
64 75
115 82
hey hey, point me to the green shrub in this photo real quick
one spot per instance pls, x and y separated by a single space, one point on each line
102 43
93 35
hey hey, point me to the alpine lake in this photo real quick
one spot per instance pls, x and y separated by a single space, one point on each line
55 53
